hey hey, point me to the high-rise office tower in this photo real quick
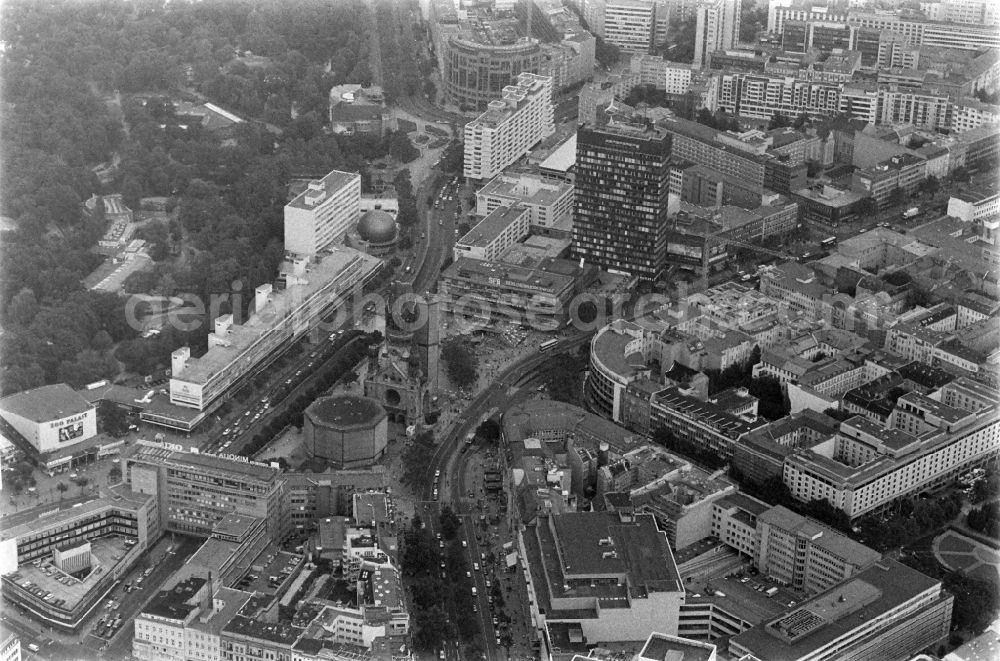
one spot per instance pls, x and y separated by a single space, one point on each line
718 28
630 24
622 180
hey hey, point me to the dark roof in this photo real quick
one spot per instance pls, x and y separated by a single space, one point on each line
618 499
377 226
47 403
355 112
173 603
346 411
925 375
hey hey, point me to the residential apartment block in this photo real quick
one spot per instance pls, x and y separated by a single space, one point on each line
511 126
323 213
717 27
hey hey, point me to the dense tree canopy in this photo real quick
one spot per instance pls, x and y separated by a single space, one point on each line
92 86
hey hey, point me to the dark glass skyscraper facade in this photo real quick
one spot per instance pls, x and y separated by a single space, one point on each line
620 217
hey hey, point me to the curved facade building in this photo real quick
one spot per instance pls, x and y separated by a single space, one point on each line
616 359
476 72
347 431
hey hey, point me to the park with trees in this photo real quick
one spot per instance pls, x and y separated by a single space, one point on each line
94 85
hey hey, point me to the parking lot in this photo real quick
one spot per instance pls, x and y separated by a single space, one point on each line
152 570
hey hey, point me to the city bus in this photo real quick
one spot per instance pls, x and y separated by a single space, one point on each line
828 242
547 345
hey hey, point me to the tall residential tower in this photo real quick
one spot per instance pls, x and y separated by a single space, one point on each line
718 28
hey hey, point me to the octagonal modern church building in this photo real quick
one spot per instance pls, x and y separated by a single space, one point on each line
347 431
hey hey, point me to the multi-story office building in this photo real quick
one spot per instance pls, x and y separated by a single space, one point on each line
674 78
494 234
10 645
184 622
972 205
482 292
717 28
108 535
796 285
512 125
870 466
917 31
888 611
479 54
792 549
762 96
702 423
195 491
807 555
620 219
971 114
313 287
630 24
322 214
904 172
741 156
549 202
313 496
612 574
800 36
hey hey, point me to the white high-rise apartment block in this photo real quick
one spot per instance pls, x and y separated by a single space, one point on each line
322 213
630 24
593 15
718 28
510 127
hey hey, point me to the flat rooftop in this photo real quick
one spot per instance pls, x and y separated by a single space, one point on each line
548 418
46 403
707 413
947 413
514 98
611 346
342 264
509 275
529 188
830 196
326 186
834 613
642 550
346 410
559 158
150 453
662 647
492 226
177 602
106 553
820 535
957 243
50 515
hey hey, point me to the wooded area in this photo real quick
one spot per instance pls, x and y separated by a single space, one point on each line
91 83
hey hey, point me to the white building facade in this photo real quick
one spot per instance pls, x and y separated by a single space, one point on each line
323 213
510 127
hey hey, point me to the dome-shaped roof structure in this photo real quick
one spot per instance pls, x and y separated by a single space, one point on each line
377 226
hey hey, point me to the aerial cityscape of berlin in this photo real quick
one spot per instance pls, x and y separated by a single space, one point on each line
500 330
